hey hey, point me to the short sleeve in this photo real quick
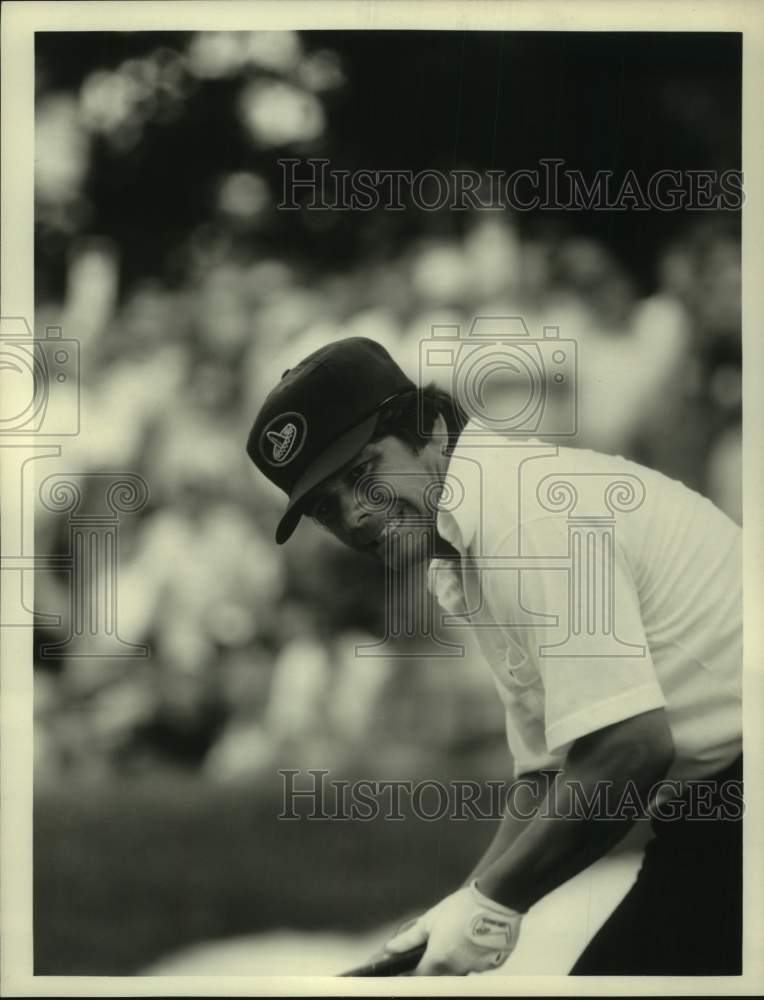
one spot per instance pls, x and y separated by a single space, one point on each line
525 737
575 611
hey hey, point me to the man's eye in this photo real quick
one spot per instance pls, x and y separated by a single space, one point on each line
321 511
358 471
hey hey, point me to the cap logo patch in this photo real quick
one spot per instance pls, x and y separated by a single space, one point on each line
283 438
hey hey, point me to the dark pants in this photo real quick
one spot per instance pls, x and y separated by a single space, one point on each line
683 916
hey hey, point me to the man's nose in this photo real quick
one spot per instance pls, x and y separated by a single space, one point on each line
359 522
352 510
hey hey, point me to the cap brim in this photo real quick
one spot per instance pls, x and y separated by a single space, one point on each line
339 453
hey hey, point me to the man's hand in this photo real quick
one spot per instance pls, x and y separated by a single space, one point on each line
466 932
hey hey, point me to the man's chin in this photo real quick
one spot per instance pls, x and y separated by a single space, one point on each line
404 557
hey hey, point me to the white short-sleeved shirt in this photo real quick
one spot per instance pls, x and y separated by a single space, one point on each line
657 617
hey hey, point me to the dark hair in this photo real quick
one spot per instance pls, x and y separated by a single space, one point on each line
410 417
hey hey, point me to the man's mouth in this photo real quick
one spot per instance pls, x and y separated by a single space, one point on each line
374 537
381 531
389 526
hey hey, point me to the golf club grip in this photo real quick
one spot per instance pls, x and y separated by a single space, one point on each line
391 965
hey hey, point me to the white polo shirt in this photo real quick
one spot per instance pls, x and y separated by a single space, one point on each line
611 590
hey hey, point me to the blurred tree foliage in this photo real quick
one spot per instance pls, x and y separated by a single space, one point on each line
407 100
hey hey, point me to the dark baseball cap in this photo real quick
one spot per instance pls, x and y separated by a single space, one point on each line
320 415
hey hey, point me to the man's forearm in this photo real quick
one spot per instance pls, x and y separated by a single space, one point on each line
547 852
523 800
560 842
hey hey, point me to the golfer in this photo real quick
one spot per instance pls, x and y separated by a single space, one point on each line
606 599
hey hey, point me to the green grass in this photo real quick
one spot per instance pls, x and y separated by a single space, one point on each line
131 871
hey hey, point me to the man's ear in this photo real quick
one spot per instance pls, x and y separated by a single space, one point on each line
440 432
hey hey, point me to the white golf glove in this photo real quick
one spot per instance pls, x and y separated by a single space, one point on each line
465 932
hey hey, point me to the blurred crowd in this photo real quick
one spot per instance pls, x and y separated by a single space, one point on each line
253 662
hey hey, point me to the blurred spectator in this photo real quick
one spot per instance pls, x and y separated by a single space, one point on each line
631 376
725 473
298 703
245 748
358 688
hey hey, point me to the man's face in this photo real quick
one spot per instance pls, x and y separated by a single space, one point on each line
383 501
